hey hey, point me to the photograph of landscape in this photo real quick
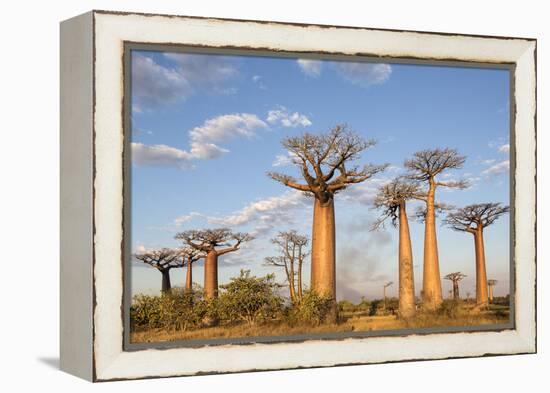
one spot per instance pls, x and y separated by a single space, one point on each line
285 196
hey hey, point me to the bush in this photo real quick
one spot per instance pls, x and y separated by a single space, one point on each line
249 299
449 308
312 309
176 310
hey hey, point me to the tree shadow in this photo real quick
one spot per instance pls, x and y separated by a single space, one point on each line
52 362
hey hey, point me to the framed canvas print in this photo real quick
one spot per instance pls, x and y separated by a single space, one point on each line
246 195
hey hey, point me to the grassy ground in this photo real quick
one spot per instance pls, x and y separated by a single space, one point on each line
466 316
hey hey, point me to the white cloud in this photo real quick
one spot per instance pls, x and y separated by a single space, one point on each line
201 141
155 84
309 67
160 155
265 214
219 129
284 159
497 169
504 148
203 68
258 81
282 116
179 221
364 74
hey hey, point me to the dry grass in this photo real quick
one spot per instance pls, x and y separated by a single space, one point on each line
466 316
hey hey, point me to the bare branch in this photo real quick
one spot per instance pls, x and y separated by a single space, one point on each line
473 217
426 164
391 196
320 157
207 240
161 259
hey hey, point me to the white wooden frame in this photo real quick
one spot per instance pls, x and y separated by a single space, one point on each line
92 154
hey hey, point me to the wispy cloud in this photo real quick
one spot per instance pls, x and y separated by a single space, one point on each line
505 148
265 214
221 128
310 67
160 155
156 83
285 118
364 74
284 159
202 141
497 169
259 82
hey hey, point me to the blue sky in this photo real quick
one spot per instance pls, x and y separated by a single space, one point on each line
206 129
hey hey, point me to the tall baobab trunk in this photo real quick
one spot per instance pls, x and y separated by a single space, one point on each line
481 273
407 307
490 293
211 275
456 293
189 277
323 253
166 285
431 280
300 290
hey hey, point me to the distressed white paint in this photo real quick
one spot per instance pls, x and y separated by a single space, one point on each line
112 30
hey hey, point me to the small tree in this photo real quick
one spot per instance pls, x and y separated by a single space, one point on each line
392 199
163 260
293 253
474 219
190 255
386 285
455 278
425 166
250 299
213 243
491 284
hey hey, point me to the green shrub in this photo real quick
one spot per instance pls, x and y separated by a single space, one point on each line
449 308
176 310
145 311
312 309
249 299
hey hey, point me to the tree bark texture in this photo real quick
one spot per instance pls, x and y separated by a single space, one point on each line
166 285
481 272
189 277
407 307
431 295
323 253
323 257
211 275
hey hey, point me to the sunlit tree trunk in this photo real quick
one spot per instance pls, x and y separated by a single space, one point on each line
323 256
431 280
211 275
300 290
456 293
481 273
166 286
406 271
189 277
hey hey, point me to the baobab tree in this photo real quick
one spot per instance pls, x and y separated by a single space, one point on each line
491 284
392 199
425 166
455 278
213 243
163 260
189 255
325 165
474 219
293 253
